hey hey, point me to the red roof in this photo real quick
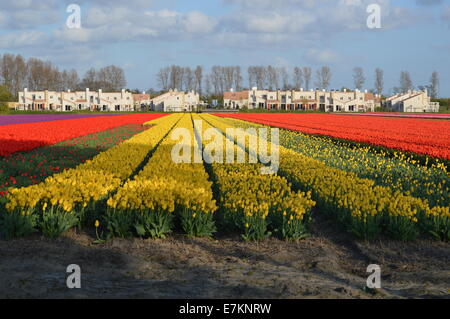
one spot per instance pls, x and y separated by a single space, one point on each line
236 96
141 97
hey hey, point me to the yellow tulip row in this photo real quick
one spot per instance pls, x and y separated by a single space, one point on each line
93 180
395 170
361 205
165 186
254 202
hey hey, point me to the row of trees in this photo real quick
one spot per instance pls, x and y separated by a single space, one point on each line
222 78
17 73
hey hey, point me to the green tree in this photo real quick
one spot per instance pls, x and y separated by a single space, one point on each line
5 97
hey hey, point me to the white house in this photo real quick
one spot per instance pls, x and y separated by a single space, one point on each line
328 101
75 101
412 102
176 101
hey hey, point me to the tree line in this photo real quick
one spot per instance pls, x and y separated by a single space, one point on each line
16 73
222 78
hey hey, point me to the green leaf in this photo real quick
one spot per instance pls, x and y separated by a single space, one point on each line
140 230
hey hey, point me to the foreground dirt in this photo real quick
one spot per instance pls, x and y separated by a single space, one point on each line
326 265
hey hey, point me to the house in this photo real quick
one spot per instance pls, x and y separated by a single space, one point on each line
141 101
75 101
327 101
412 102
176 101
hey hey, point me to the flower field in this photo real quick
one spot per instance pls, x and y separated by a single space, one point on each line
24 169
125 179
427 137
28 136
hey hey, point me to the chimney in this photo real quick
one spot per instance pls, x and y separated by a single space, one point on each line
365 91
345 90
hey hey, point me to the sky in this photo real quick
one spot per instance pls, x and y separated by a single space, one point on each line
142 36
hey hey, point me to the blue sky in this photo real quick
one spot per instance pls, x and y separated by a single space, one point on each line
143 35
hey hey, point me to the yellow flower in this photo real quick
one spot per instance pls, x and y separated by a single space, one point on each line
97 224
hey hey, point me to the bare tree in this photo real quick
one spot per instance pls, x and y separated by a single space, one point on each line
298 78
284 78
379 81
359 78
198 79
20 75
238 78
163 78
35 74
7 71
208 85
323 77
216 78
188 79
259 74
307 74
434 85
251 76
405 82
90 79
69 80
111 78
228 75
176 77
273 78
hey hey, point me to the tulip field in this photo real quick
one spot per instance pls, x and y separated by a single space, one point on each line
374 177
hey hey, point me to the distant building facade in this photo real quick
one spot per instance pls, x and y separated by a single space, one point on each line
141 101
294 100
75 101
176 101
412 102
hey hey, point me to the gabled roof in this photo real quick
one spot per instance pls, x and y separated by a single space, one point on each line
141 97
236 96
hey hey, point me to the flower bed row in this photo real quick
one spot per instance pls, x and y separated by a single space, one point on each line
25 137
399 172
364 208
24 169
61 201
256 205
419 136
147 204
36 118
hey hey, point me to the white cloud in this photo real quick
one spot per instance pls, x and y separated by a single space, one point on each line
22 40
325 56
197 23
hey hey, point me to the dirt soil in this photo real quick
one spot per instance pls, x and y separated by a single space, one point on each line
329 264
